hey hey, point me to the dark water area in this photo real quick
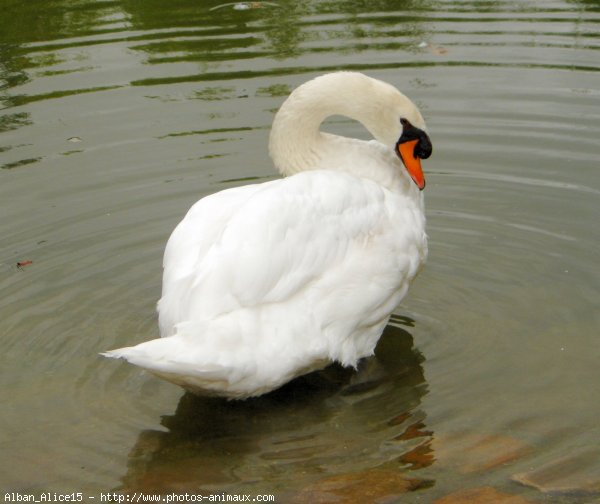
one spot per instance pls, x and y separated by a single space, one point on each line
118 115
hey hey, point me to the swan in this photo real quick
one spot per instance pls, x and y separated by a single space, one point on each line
266 282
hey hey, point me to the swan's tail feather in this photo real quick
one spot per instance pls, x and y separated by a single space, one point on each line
166 358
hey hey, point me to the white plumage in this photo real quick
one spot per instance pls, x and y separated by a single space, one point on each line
266 282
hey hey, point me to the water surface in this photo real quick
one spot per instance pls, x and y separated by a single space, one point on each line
118 115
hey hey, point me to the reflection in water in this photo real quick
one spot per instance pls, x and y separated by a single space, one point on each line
288 31
325 424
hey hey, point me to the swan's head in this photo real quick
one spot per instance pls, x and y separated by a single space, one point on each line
390 117
412 146
396 122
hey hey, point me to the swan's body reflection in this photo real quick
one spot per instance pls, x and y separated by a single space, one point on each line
329 423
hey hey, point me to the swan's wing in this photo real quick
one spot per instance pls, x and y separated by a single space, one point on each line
265 244
200 229
189 243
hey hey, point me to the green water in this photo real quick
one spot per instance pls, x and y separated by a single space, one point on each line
118 115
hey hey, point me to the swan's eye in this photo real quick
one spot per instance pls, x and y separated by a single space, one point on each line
405 123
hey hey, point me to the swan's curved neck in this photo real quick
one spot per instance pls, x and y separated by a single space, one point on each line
296 144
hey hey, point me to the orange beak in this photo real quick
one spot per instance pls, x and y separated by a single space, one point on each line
406 150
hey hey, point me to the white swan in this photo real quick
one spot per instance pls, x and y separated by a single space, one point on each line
266 282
